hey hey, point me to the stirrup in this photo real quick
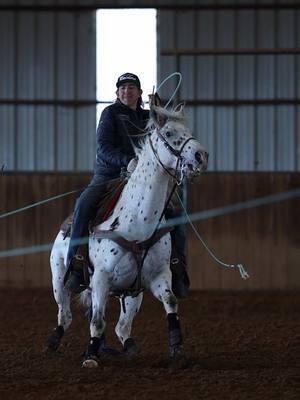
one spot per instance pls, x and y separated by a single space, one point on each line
74 283
77 278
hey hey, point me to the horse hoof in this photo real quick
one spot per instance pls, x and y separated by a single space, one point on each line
90 362
130 348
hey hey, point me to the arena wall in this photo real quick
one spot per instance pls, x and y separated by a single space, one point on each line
264 238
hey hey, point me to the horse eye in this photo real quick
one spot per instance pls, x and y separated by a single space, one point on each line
168 134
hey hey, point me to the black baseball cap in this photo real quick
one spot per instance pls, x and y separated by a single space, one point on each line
128 78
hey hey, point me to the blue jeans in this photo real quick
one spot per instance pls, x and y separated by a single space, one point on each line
85 210
178 234
180 241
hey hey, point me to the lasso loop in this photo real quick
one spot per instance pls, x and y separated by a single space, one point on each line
176 89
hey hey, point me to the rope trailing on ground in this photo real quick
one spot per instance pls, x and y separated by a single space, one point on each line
244 274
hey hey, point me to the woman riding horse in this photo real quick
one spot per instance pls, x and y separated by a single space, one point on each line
120 125
130 251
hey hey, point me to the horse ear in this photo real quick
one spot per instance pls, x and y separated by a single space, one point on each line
180 108
154 100
158 119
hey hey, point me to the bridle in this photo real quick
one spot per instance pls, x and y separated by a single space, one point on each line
174 152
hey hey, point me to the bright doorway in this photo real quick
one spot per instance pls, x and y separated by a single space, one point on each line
126 42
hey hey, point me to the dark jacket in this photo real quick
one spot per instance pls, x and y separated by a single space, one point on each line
117 125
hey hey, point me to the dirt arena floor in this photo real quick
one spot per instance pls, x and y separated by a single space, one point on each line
238 346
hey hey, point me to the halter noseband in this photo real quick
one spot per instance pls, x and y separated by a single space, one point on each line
175 152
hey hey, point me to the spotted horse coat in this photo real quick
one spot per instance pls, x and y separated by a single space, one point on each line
169 152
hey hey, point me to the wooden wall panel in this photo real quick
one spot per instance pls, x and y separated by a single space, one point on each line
266 239
35 226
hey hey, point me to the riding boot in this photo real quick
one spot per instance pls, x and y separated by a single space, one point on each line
180 278
77 276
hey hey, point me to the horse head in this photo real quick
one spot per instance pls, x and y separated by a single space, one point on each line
173 144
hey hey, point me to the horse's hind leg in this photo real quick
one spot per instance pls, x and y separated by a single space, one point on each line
97 325
62 298
129 307
161 289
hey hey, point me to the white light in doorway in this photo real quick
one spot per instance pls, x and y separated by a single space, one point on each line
126 42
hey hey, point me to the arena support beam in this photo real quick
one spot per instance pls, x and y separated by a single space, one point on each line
154 4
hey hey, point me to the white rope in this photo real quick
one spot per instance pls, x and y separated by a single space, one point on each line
176 89
244 274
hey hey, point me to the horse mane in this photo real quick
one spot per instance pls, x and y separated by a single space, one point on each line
140 143
176 114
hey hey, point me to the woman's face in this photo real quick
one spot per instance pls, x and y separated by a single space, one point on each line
129 94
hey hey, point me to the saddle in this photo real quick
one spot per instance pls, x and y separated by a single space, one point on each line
105 207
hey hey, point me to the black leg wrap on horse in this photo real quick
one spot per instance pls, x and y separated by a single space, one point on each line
53 341
130 348
128 344
93 347
175 337
173 321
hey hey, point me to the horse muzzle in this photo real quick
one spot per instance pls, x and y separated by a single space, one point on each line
202 159
193 168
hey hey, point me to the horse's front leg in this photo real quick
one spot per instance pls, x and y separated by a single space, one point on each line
161 288
61 295
100 289
129 307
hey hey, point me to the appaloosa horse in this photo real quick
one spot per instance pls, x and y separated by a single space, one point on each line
128 248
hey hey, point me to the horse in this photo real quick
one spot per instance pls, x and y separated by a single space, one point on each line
128 247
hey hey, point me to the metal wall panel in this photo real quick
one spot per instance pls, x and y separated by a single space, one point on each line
225 89
7 89
65 89
166 25
204 130
265 142
245 139
48 56
25 66
245 89
44 89
86 84
242 137
297 94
